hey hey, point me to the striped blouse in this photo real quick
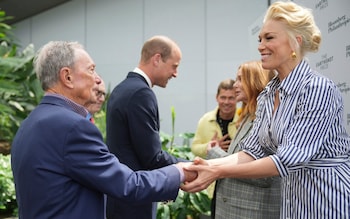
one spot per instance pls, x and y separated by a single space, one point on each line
306 139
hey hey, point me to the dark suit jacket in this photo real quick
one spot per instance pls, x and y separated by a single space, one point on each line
133 136
62 168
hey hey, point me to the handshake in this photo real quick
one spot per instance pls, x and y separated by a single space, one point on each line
198 175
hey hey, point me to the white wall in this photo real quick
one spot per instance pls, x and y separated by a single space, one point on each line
333 57
213 36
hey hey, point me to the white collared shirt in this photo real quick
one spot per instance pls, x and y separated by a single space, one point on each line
143 74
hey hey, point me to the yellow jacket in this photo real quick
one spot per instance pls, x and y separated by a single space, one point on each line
206 129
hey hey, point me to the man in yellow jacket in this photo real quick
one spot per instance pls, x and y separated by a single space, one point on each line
218 124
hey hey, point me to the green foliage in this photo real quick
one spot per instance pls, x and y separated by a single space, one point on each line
19 94
7 189
100 122
6 34
186 205
20 90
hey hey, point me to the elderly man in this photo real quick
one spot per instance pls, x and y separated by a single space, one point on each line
61 166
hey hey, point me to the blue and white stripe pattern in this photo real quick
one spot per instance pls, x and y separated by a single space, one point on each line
307 140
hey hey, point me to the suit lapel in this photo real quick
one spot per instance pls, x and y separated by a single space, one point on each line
242 132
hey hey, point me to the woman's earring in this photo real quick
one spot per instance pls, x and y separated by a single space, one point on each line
294 55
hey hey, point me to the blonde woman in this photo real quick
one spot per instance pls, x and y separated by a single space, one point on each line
298 133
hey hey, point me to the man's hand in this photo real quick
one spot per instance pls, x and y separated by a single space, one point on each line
206 175
212 144
189 175
223 143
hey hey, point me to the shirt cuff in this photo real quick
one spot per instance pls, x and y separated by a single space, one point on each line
182 174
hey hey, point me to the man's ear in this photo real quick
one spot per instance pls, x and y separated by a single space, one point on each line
66 77
156 59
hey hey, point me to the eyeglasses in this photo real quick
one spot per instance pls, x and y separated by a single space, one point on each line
100 94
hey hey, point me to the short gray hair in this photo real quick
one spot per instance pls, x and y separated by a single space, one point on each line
51 58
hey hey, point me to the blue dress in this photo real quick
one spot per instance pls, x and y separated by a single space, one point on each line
307 140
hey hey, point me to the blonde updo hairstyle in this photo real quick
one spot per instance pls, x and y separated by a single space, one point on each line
299 21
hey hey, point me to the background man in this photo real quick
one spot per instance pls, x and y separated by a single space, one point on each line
217 125
96 105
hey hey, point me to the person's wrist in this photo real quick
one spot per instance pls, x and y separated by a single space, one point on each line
181 171
208 147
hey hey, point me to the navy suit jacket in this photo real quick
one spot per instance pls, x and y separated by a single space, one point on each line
62 168
133 136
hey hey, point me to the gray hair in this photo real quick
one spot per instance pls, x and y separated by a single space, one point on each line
51 58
